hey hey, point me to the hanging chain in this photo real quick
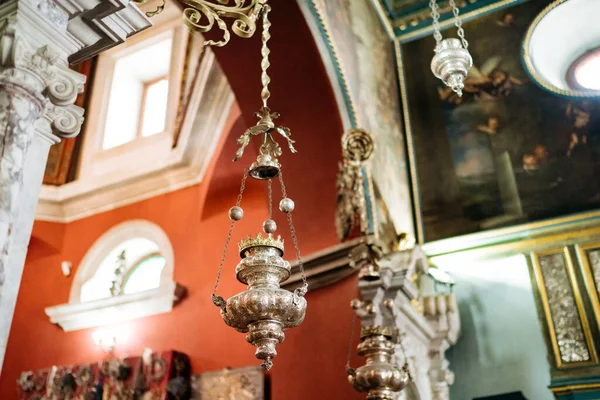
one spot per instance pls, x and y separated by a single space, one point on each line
301 291
270 190
218 300
435 15
349 369
264 64
401 343
458 24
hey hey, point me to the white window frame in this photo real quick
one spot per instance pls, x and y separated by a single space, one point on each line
77 315
114 164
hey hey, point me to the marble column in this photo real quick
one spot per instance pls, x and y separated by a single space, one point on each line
37 92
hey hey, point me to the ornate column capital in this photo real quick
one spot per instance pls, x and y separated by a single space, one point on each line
42 76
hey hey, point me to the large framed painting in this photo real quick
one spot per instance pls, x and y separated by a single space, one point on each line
507 153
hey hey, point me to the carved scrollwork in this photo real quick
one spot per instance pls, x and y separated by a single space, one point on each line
201 15
64 87
66 121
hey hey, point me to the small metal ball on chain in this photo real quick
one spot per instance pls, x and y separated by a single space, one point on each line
286 205
236 213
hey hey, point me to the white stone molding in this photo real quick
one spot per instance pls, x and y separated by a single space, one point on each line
393 300
98 25
77 315
210 104
112 310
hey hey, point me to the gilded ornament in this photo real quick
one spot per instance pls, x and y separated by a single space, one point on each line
201 15
357 148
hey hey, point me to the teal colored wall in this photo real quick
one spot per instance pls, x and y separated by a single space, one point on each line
501 348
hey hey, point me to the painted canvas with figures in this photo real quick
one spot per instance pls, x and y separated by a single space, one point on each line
507 152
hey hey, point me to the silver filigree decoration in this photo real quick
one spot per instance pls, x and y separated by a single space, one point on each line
566 320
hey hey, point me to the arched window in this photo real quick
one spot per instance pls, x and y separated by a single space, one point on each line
129 269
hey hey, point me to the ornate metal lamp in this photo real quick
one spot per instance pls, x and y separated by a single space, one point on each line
264 310
452 61
380 377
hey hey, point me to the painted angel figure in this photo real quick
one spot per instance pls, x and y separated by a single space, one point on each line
489 82
265 126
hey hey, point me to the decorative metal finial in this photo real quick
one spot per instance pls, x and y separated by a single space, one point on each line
264 310
452 60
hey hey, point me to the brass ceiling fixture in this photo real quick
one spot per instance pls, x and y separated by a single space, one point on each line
452 61
264 310
201 15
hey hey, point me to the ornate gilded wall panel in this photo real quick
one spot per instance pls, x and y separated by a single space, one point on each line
230 384
589 260
565 316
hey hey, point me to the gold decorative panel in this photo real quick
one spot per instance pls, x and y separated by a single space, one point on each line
563 308
589 259
230 384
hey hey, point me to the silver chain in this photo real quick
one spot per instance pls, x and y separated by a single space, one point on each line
401 343
352 328
264 64
218 300
435 15
301 291
458 24
270 190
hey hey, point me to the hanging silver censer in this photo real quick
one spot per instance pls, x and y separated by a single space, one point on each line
452 61
380 377
264 310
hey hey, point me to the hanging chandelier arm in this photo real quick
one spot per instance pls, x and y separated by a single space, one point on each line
458 24
301 291
218 300
264 51
244 13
